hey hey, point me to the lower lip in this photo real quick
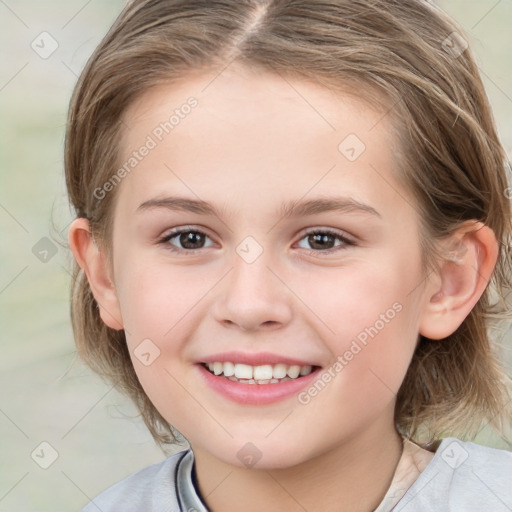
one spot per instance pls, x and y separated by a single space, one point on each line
256 394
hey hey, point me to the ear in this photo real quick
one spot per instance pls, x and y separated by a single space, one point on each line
94 264
468 263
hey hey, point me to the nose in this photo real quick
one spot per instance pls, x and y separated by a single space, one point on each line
253 297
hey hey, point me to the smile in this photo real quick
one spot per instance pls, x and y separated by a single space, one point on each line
274 378
263 374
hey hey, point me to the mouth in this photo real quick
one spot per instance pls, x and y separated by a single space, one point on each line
262 374
271 379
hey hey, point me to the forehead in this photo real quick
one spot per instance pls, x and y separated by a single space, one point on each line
248 138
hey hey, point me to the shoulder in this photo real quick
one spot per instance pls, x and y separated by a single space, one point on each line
462 476
150 489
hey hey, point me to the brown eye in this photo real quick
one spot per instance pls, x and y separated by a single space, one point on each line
191 239
185 240
323 241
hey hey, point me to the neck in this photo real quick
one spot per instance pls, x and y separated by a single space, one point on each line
351 477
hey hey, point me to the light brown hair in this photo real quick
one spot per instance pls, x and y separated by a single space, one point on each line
400 55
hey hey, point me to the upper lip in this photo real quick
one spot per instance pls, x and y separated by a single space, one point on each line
255 359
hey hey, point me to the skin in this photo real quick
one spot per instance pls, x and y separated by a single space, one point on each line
253 143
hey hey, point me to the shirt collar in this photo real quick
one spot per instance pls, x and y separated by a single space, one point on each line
413 461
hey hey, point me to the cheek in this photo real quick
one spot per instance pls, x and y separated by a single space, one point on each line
369 363
362 300
157 299
373 316
162 305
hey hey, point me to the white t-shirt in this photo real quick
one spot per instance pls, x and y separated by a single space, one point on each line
459 477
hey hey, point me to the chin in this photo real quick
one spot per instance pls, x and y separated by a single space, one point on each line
263 454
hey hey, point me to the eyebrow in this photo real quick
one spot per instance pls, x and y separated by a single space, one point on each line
293 208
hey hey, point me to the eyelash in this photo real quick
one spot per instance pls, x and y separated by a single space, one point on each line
173 234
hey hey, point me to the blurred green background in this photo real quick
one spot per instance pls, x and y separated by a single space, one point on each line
47 395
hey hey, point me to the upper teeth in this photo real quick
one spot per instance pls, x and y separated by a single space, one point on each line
263 372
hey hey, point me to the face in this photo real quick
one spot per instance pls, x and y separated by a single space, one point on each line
262 232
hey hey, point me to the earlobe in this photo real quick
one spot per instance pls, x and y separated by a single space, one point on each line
469 258
94 264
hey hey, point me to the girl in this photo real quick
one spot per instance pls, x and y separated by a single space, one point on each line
293 226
